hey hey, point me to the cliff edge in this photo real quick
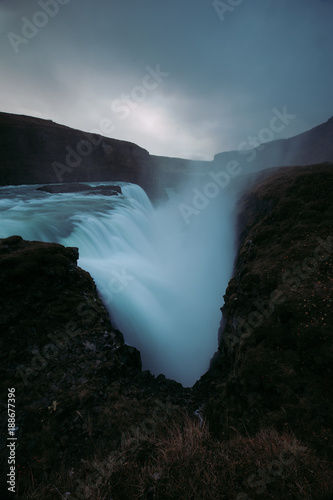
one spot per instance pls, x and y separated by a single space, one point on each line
91 424
275 358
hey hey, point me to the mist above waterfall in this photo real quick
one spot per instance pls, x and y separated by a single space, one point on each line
161 275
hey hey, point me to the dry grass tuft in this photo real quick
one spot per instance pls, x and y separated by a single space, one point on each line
185 462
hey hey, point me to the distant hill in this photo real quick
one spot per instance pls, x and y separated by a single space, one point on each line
36 151
313 146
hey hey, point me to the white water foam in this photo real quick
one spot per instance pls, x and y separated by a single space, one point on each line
161 280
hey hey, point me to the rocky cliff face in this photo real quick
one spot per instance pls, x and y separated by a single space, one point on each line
80 390
274 363
35 151
78 386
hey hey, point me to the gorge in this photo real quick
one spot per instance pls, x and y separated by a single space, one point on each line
160 278
82 386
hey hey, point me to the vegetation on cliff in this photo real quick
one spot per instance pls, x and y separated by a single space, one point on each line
91 424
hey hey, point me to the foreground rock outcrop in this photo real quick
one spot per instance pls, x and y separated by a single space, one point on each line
78 387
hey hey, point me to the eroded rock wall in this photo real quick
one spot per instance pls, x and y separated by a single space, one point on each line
275 359
79 388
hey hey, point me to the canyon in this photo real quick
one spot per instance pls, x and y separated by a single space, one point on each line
81 390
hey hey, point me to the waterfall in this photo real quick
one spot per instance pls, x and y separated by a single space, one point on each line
161 280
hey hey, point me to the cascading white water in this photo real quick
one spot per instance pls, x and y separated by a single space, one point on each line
162 280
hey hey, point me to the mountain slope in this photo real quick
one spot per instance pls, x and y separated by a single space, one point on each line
35 151
312 146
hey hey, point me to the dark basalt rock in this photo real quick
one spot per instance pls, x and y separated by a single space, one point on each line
274 366
78 188
78 386
36 151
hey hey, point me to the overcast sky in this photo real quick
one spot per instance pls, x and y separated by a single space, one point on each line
186 78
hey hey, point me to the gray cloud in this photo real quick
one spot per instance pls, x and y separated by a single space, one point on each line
224 77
